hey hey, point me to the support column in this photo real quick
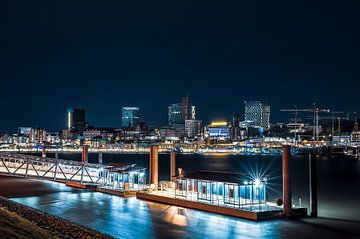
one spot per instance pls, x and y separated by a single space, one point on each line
154 165
286 180
172 166
100 158
43 152
84 153
56 155
313 185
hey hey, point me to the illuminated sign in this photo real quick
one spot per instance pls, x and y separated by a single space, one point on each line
219 123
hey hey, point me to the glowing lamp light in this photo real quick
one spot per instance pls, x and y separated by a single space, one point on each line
257 182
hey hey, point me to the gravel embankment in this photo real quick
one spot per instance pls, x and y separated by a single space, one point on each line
59 227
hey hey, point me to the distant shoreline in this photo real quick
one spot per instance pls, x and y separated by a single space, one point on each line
109 151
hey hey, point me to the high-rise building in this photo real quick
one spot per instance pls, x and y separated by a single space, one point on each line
76 119
235 127
258 112
192 128
130 116
180 112
175 116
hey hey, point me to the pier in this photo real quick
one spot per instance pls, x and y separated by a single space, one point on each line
126 177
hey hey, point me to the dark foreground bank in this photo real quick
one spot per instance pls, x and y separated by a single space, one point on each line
52 226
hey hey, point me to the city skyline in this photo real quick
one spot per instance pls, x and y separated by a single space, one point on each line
100 57
285 117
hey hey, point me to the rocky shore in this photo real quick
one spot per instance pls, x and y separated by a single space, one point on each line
58 227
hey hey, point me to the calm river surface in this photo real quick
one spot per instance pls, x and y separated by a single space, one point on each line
339 197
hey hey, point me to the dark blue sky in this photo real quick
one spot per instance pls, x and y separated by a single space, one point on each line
102 55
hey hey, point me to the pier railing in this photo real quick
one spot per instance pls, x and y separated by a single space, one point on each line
71 171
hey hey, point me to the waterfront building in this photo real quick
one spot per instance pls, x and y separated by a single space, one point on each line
37 135
235 127
175 116
192 128
258 112
221 188
169 134
24 131
76 119
343 138
219 130
130 116
179 112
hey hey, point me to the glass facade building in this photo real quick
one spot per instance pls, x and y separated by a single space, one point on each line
130 116
76 119
258 112
232 189
175 114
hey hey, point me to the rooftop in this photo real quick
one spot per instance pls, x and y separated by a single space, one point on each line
228 177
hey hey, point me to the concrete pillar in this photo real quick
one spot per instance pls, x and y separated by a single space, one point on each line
313 185
172 166
43 152
84 153
100 158
286 179
154 165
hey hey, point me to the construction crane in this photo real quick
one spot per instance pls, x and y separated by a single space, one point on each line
315 110
332 118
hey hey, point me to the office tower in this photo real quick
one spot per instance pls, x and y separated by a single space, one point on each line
175 116
76 119
235 127
258 112
130 116
179 112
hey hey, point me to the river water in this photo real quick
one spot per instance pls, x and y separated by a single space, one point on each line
339 197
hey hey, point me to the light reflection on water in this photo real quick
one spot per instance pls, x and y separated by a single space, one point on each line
133 218
339 194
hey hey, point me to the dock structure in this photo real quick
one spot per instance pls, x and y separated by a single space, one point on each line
125 177
232 194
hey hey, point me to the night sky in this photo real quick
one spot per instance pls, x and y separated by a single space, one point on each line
101 55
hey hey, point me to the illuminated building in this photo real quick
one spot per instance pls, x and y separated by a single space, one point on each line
175 116
192 128
26 131
37 135
76 119
219 130
221 188
258 112
130 116
235 127
179 112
